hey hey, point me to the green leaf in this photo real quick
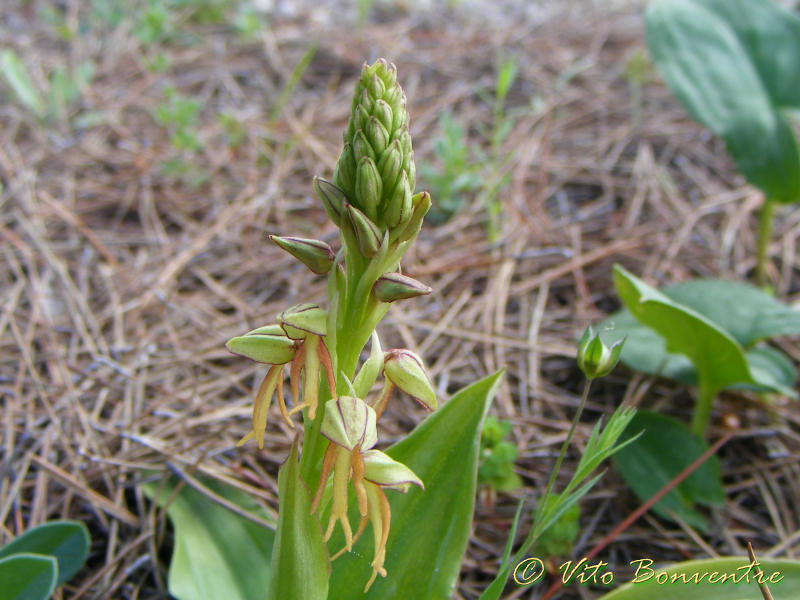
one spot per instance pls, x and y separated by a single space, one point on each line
741 312
742 589
430 528
218 553
732 63
717 357
300 561
660 454
28 577
20 81
66 541
744 311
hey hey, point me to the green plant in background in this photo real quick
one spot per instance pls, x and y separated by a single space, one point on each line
179 116
495 178
556 509
454 172
733 64
707 333
497 456
62 92
35 563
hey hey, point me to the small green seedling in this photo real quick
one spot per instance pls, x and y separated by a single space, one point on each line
497 456
708 333
453 173
557 509
34 564
62 92
733 64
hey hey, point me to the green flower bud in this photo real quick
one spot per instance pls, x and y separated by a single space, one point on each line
596 359
377 135
301 320
368 188
367 234
389 166
383 112
421 204
362 148
361 118
333 198
405 370
315 254
394 286
375 86
398 205
268 345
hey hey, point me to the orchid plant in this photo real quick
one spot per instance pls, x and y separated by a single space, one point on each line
371 200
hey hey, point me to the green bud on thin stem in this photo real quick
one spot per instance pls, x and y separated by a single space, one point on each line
595 358
368 188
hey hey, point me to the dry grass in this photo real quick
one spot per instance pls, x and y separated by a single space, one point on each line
120 284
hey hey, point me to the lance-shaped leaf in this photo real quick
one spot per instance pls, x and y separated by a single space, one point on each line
733 64
268 345
430 528
368 373
300 564
315 254
218 553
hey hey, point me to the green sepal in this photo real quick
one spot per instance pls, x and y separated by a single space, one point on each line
315 254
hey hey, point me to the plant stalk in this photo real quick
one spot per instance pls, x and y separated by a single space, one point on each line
765 220
702 410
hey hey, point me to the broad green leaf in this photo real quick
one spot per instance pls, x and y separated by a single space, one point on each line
66 541
300 564
660 454
742 312
747 313
733 64
430 528
218 553
20 81
27 577
717 357
786 574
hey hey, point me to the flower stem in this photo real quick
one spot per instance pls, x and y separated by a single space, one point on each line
765 220
702 411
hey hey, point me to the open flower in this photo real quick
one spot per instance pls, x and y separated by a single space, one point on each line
349 424
296 339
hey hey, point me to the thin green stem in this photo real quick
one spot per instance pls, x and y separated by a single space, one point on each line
765 220
557 467
702 410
